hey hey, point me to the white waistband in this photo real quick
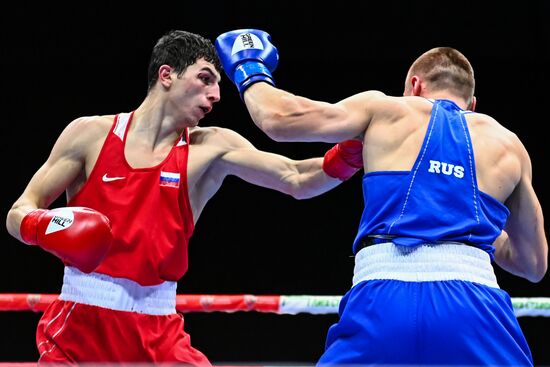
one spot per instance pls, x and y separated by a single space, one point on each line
424 263
118 293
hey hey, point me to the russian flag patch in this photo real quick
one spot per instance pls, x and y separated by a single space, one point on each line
171 179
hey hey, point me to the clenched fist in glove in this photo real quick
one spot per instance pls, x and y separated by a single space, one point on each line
247 56
344 159
79 236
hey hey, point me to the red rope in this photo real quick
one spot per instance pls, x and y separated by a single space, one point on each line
184 302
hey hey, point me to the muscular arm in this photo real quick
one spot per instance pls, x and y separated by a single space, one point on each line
64 164
249 58
287 117
522 249
299 178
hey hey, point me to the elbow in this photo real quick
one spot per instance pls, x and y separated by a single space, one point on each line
524 256
531 267
275 128
538 272
299 192
280 125
302 195
534 278
540 265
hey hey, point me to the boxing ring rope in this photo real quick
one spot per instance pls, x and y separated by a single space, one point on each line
279 304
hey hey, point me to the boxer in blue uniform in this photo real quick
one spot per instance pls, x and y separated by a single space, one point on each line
448 193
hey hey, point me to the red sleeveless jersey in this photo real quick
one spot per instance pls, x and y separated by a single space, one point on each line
148 208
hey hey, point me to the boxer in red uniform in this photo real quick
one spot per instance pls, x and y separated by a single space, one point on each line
136 184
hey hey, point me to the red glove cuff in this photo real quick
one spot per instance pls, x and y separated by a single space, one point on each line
29 226
344 159
79 236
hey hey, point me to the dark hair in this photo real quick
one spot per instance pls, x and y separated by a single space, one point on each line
446 68
179 49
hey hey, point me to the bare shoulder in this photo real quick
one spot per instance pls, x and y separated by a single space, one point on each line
396 108
84 134
487 133
220 137
215 150
97 122
483 124
414 104
91 124
373 107
366 98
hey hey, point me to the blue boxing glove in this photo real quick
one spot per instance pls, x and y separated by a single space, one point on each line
247 56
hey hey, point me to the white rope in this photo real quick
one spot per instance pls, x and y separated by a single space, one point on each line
534 306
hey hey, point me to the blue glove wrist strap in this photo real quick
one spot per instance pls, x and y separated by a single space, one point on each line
249 69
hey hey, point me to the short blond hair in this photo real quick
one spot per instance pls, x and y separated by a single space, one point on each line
445 68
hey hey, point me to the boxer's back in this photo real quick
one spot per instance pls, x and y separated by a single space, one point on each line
394 137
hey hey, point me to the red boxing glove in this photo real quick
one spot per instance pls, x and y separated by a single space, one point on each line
344 159
79 236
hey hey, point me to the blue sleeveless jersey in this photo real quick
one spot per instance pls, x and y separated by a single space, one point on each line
438 200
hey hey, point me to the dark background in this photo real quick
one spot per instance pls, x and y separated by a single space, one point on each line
60 62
